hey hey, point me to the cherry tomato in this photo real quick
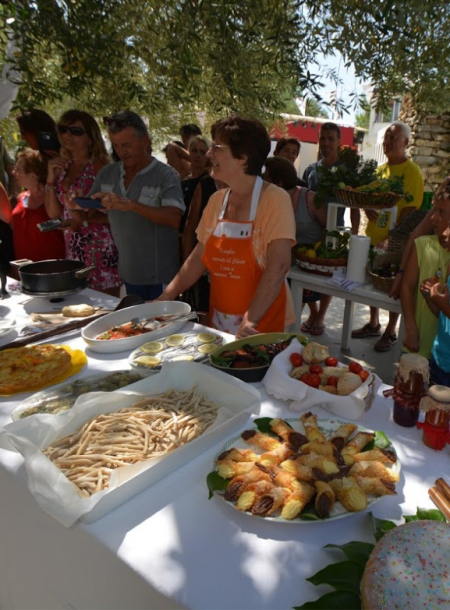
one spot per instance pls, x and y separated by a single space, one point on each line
354 367
364 374
315 369
332 381
331 361
296 359
311 380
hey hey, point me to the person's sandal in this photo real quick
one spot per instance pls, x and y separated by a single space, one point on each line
367 331
386 343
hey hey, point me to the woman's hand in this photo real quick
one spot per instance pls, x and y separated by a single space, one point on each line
439 294
247 328
54 168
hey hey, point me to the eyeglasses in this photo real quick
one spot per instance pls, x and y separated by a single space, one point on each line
74 131
216 147
120 123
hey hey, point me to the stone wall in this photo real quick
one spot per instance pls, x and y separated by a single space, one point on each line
430 143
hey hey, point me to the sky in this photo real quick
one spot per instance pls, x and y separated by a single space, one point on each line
349 85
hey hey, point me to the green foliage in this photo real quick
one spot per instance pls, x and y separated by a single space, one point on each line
215 483
345 576
314 108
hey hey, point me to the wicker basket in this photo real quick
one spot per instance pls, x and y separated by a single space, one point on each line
398 237
358 199
384 284
320 266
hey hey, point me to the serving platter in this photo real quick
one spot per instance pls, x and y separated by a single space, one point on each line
327 427
59 497
147 310
62 398
6 326
191 346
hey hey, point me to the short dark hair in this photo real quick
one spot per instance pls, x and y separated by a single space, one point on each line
282 142
282 172
35 120
126 118
331 127
245 137
190 129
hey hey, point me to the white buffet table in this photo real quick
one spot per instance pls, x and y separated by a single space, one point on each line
169 546
366 294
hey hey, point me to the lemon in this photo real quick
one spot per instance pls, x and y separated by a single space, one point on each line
302 249
182 357
207 348
316 245
175 340
206 337
311 253
148 360
153 347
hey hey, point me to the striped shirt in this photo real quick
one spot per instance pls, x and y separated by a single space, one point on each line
148 252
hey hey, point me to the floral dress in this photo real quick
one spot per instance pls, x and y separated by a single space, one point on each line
92 245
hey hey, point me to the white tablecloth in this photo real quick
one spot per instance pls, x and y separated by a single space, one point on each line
170 547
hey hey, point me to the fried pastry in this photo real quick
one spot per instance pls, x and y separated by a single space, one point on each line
263 441
358 442
268 503
342 434
302 472
238 484
296 501
325 449
228 469
349 494
325 498
374 454
251 493
375 487
238 455
326 465
276 456
311 428
280 427
374 469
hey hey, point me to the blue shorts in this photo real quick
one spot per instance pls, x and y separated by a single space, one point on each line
148 292
437 375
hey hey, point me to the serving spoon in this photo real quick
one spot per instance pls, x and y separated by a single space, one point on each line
158 323
127 301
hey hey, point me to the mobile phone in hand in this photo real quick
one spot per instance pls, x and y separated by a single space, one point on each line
49 225
88 203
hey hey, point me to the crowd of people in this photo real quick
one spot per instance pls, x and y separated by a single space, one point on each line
215 225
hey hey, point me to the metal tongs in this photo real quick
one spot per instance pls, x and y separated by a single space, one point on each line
158 323
440 494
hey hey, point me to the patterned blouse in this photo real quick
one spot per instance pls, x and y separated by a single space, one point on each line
92 245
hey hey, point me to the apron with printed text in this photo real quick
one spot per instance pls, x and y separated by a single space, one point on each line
235 273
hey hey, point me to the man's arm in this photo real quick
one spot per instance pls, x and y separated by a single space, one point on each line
191 271
169 216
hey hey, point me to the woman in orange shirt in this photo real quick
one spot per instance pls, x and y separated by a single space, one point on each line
245 235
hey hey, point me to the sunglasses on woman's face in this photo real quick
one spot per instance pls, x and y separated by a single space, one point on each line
74 131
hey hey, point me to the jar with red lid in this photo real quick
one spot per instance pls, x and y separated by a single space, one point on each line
410 385
436 406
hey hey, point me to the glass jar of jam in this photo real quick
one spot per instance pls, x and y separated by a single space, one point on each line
410 382
437 416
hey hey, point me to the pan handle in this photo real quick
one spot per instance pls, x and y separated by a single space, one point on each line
20 262
82 273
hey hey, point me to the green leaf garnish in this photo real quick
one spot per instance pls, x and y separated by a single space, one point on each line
426 514
215 483
380 440
263 425
355 551
337 600
343 576
309 513
381 526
